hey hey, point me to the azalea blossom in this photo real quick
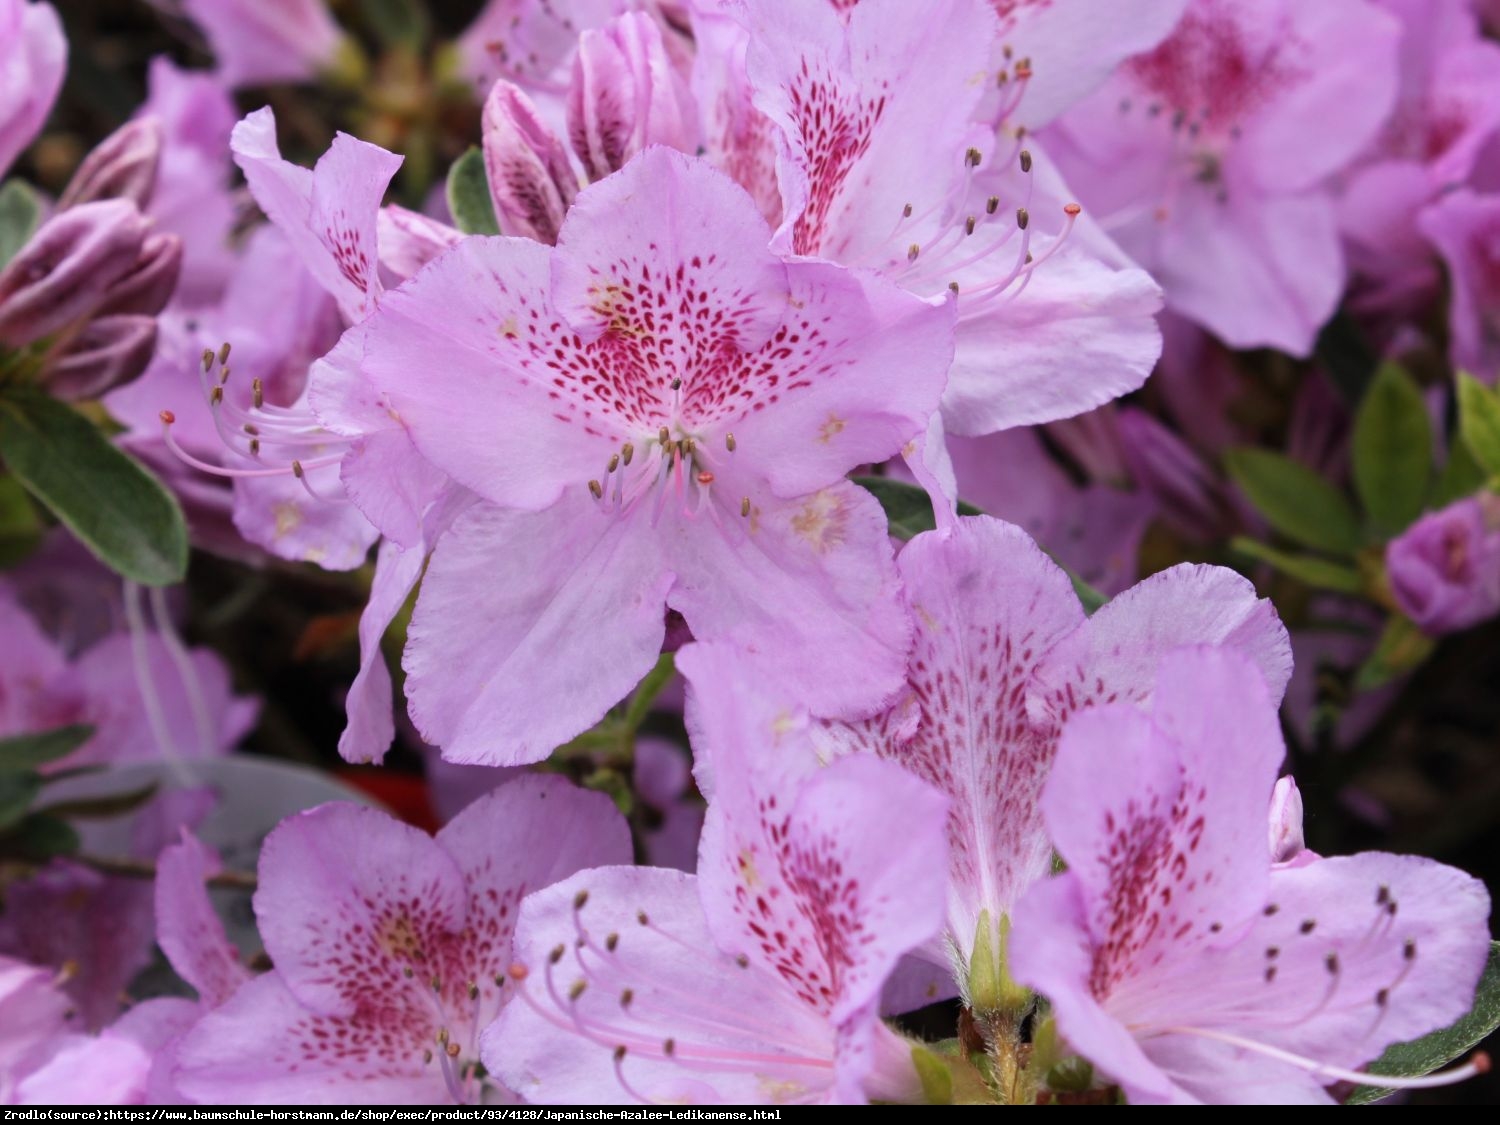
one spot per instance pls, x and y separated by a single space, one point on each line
1209 158
1180 958
1465 229
258 42
756 981
389 960
1445 569
33 57
680 407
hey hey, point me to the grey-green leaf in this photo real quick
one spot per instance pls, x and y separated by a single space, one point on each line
1424 1055
28 751
1461 476
908 511
469 195
1295 500
114 506
20 212
17 792
1479 421
1392 451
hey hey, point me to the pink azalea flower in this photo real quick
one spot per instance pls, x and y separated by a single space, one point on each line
389 948
680 409
883 163
529 42
1465 229
259 42
33 1013
1447 108
759 979
1444 570
33 57
1209 158
1185 964
1004 655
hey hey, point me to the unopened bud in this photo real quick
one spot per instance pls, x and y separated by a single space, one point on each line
62 274
107 353
149 286
531 181
122 166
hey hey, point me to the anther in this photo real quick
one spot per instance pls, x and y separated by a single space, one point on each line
452 1049
745 507
208 360
1331 962
1382 997
406 972
557 953
223 375
255 447
971 158
742 961
620 1052
729 442
1023 217
642 917
1308 925
224 353
969 224
1025 160
991 205
216 396
258 392
297 469
626 997
1272 952
1271 908
596 490
705 477
669 1047
426 1056
436 983
627 451
442 1036
677 382
953 285
1382 896
580 900
614 462
912 251
611 941
906 211
1409 950
473 990
575 990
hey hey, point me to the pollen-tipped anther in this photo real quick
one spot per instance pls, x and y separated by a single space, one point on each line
972 158
729 442
627 453
576 989
258 393
208 360
224 353
745 507
912 251
580 900
1023 217
596 490
1025 160
556 954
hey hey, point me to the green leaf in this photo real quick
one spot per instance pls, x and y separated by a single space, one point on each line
27 751
1461 476
397 22
1310 570
1429 1053
650 687
20 213
1402 646
1295 500
933 1073
119 510
1479 421
1392 451
469 195
17 791
20 523
908 511
39 838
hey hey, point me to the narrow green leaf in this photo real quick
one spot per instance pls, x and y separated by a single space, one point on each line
119 510
397 23
650 687
1402 646
20 212
39 838
27 751
1392 451
101 808
934 1075
1295 500
1429 1053
908 511
17 791
1461 476
1322 574
469 195
1479 421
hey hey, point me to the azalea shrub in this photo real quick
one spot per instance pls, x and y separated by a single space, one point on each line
750 552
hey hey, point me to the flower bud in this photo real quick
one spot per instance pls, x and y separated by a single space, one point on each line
1191 498
108 351
122 166
63 273
531 181
1286 838
148 287
625 95
1444 570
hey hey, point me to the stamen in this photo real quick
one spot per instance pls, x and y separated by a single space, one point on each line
729 442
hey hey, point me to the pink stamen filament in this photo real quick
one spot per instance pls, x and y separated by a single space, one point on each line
219 471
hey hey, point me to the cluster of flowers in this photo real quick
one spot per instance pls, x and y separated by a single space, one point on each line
748 248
